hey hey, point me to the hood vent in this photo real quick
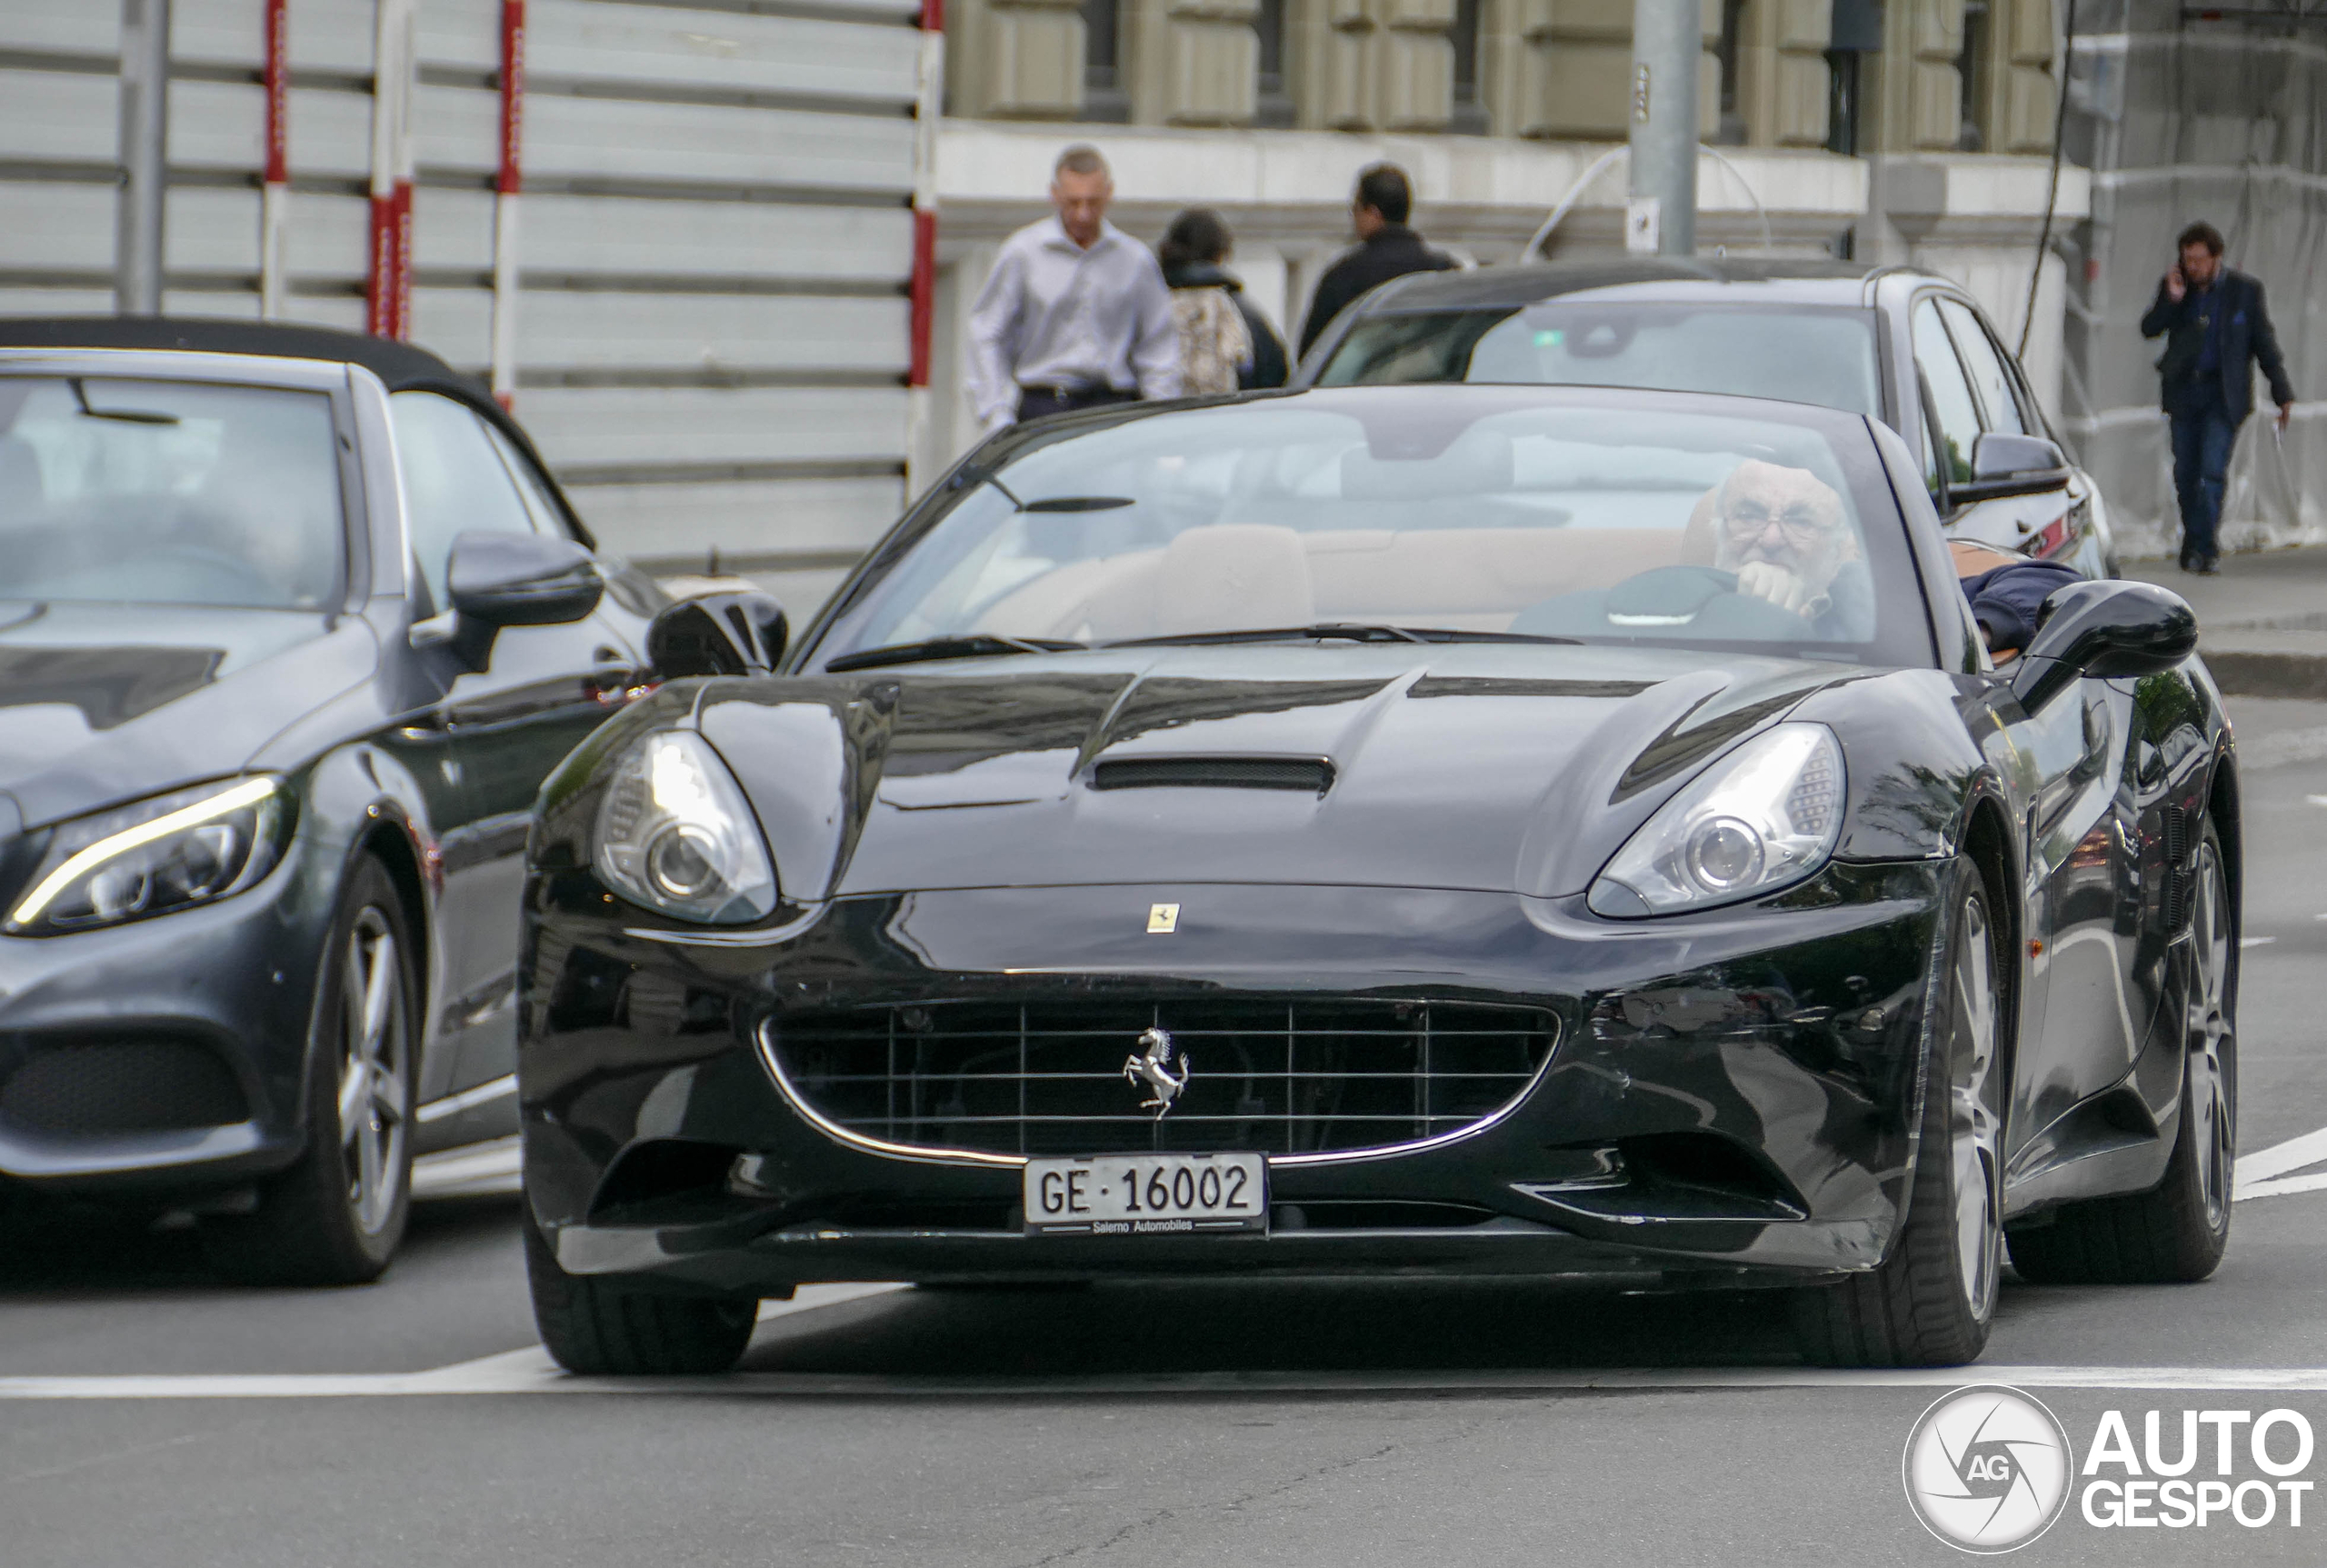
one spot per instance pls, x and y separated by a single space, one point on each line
1310 775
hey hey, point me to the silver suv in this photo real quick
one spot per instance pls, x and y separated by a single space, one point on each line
1895 343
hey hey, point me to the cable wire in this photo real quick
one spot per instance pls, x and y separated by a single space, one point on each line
2053 189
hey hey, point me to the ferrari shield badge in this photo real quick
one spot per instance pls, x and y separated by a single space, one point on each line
1162 919
1152 1065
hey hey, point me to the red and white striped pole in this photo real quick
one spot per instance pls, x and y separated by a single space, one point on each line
506 185
929 104
388 293
275 185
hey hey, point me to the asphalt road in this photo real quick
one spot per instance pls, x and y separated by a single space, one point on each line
150 1415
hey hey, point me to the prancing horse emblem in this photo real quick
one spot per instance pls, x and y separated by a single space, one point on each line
1152 1065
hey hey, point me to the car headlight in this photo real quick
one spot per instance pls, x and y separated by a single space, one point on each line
675 834
1765 815
159 855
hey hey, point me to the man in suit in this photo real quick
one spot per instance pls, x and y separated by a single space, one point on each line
1386 248
2216 329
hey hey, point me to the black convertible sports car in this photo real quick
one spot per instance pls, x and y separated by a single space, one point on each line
292 625
1456 830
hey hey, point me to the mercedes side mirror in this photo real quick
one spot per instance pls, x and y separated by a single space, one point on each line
2106 630
496 580
2004 465
730 633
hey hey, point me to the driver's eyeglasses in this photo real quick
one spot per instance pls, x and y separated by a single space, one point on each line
1799 523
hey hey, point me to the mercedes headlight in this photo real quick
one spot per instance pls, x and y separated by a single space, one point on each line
1765 816
159 855
674 833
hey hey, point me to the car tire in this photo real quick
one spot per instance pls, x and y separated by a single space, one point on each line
2176 1232
1931 1301
594 1327
337 1216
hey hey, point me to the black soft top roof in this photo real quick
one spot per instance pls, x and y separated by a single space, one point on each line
401 366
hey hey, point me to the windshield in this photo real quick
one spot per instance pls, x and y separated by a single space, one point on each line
1824 357
167 491
1471 510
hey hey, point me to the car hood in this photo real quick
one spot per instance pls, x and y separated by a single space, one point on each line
101 703
1515 767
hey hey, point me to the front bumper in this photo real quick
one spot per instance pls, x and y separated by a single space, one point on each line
164 1056
1731 1094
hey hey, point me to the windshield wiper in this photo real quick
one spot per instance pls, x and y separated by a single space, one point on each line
980 646
1340 630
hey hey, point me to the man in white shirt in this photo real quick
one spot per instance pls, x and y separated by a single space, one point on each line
1075 313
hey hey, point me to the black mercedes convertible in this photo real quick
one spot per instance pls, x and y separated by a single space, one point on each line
1449 829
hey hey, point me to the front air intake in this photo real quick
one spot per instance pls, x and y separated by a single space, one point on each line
1307 775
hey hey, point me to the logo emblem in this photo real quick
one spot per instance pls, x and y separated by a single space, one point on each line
1152 1065
1162 919
1987 1469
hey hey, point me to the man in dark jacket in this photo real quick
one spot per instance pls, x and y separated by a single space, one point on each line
2216 329
1386 248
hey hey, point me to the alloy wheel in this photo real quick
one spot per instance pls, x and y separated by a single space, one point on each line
1975 1126
2214 1138
374 1101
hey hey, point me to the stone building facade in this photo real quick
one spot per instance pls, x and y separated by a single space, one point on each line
1938 75
1916 130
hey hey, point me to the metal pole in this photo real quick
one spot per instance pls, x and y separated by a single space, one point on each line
924 458
1660 212
507 185
274 184
145 138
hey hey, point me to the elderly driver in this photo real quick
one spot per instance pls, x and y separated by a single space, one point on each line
1783 531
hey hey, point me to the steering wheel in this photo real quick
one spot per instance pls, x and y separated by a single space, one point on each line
1687 601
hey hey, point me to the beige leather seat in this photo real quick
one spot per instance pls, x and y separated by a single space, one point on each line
1232 575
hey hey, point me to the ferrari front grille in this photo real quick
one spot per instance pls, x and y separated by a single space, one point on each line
1285 1077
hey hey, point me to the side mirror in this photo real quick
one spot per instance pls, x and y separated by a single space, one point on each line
2003 464
737 633
496 580
2106 630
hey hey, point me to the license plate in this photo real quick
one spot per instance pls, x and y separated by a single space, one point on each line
1147 1194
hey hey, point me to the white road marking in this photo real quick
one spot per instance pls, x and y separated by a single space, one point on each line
808 1298
2256 940
476 1171
525 1372
2316 799
2280 1187
2279 1159
467 1099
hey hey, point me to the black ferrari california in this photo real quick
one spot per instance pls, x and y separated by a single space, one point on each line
1446 830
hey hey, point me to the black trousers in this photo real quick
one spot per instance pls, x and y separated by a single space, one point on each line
1036 401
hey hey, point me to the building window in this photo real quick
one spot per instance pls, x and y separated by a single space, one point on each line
1103 98
1730 130
1855 31
1972 68
1842 101
1470 113
1272 97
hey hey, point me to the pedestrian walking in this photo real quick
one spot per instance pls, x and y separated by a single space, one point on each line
1075 313
1227 345
1386 248
2216 329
